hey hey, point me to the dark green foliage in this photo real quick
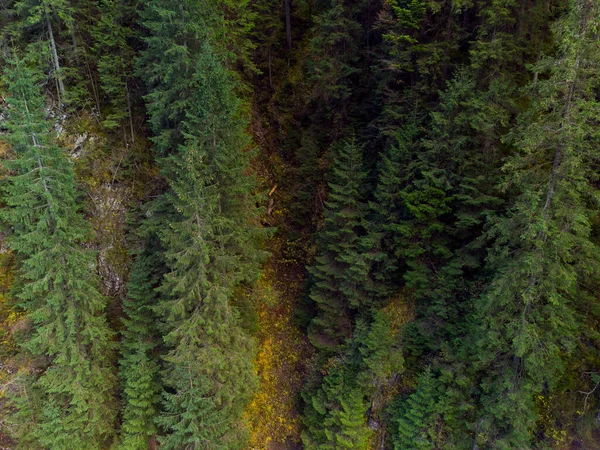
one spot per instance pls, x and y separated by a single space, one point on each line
542 247
336 406
69 396
139 368
50 30
417 56
339 271
334 59
112 37
433 162
335 414
379 351
387 228
419 414
211 244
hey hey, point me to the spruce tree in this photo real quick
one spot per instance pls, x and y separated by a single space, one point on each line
56 32
45 18
379 350
414 66
70 400
334 59
115 57
419 413
139 368
387 224
211 242
335 412
347 428
339 270
528 317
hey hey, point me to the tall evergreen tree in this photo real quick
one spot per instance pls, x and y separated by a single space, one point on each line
69 402
334 60
542 247
211 242
339 270
420 413
335 412
112 35
139 368
386 228
45 18
337 403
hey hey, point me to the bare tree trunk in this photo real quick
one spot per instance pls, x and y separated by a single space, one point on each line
288 23
560 146
270 71
130 115
61 86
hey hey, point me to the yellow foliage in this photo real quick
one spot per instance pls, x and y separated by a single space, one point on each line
8 316
283 351
4 149
400 310
559 438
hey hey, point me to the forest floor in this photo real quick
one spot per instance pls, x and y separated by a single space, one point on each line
283 357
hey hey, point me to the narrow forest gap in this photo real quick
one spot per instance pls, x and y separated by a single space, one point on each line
283 355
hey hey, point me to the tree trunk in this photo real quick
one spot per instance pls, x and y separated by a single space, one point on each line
288 23
61 86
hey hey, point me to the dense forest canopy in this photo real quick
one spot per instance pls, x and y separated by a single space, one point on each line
285 224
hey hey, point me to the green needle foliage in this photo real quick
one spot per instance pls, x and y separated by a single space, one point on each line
433 172
68 399
116 58
211 244
139 368
336 413
420 412
339 269
529 316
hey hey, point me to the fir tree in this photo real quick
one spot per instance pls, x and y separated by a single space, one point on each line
390 214
139 367
335 413
339 269
211 245
542 247
334 58
112 37
420 411
74 386
45 18
347 426
379 350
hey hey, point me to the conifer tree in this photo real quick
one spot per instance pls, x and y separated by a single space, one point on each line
347 426
334 59
335 413
339 269
112 34
379 350
69 400
56 32
387 226
211 244
336 406
45 18
139 367
542 247
415 65
419 413
448 200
